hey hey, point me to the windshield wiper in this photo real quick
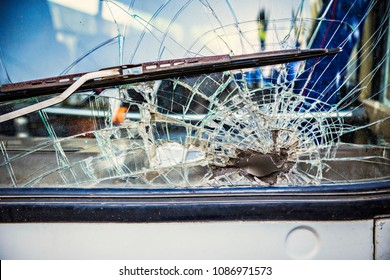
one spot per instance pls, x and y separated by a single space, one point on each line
132 73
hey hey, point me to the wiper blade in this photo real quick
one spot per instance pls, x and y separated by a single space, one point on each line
157 70
149 71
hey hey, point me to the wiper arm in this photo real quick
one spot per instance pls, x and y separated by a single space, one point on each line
132 73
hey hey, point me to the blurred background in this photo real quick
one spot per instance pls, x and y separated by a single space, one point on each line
43 38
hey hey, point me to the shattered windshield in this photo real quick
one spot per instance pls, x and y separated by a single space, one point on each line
316 121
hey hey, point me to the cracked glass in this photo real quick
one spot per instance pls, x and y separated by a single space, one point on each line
313 122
